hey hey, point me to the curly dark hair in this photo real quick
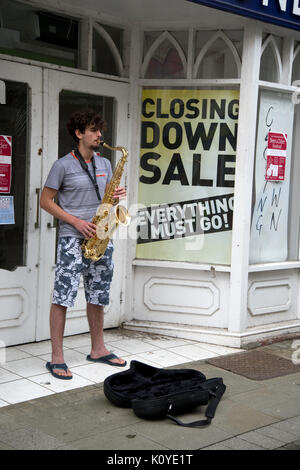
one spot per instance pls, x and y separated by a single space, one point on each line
82 119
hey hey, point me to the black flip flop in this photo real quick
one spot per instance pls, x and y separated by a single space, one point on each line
107 360
63 366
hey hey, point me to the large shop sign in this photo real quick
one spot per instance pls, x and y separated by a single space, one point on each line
281 12
187 166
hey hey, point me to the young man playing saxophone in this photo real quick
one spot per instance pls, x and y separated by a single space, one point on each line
79 195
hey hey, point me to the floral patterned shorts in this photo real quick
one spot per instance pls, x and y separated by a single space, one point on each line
70 264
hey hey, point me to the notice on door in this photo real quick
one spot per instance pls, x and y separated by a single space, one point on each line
276 156
5 163
7 212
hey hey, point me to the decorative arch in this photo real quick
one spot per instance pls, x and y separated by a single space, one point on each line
296 64
163 37
218 35
116 55
270 42
296 52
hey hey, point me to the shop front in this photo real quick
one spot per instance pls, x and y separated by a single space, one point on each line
207 103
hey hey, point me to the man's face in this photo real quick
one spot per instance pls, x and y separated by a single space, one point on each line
90 138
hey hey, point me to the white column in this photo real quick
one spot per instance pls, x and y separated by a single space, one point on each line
244 178
287 61
85 49
133 161
191 53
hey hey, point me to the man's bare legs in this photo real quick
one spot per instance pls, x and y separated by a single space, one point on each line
57 328
95 314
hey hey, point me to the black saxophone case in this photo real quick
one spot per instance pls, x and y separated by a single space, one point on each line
155 393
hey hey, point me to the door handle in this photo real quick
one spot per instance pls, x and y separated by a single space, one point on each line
37 219
54 223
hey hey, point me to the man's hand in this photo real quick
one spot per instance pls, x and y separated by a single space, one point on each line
87 229
120 193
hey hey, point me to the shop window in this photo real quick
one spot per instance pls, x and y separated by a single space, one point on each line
296 64
165 57
218 57
271 64
33 34
187 172
108 50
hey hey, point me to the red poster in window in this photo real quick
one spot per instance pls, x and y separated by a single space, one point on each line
5 163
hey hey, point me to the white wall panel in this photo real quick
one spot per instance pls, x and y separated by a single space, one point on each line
181 297
14 307
272 297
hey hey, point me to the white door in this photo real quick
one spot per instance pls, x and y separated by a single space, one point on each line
20 118
65 93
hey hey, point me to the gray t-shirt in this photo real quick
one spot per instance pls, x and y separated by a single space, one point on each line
76 192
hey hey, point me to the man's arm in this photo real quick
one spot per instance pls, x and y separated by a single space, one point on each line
48 204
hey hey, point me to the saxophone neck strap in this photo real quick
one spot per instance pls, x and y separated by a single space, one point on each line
85 167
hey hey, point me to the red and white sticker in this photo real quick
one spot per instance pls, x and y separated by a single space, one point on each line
277 143
276 156
5 145
275 168
5 163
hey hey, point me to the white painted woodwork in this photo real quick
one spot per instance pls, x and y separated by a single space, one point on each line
243 178
19 288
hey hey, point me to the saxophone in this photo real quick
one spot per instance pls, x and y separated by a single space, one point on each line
109 214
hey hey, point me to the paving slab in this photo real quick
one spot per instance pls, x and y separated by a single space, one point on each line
29 439
217 447
238 418
176 437
125 438
278 434
292 446
271 400
266 442
288 426
236 443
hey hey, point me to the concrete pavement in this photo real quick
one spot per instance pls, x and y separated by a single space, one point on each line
252 415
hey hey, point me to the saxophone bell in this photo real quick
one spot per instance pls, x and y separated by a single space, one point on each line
122 215
111 218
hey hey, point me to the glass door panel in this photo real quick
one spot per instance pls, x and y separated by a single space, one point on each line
14 123
71 101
